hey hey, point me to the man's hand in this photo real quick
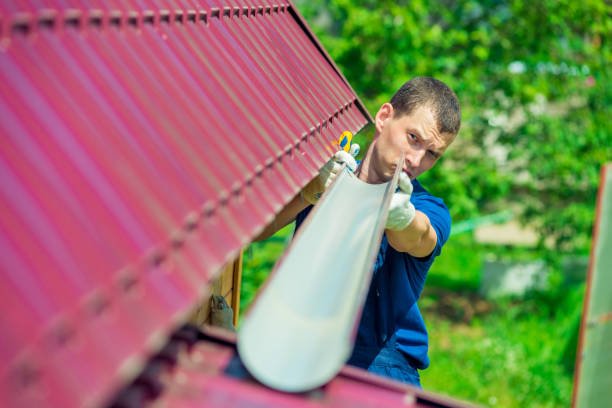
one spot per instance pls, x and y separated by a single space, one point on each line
314 190
401 210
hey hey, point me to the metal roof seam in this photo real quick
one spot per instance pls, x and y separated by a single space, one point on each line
238 188
304 25
25 23
225 197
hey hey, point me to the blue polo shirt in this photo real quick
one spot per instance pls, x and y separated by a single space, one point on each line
391 310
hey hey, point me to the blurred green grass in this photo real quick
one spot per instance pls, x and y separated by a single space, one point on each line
508 352
258 261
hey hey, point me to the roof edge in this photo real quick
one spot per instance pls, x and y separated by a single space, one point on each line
302 22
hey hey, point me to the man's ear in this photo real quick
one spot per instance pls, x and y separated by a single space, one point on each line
384 113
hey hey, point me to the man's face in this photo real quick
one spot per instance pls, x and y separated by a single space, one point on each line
415 135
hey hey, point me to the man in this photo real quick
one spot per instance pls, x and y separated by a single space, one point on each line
419 123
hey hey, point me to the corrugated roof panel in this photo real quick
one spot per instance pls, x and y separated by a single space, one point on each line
144 143
207 372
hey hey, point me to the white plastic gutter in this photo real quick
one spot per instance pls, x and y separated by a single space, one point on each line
300 330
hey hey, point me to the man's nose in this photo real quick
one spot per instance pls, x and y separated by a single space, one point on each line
415 156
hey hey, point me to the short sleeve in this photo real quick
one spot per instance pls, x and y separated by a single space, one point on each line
438 214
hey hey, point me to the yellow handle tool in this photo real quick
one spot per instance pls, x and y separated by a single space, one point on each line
345 140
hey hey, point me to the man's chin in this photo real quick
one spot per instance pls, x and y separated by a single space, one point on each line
387 177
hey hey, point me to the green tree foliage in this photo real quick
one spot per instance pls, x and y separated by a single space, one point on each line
533 80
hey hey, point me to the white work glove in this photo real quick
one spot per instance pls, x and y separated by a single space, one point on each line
315 189
401 210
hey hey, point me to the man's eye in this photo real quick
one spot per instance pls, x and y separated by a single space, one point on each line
412 136
432 154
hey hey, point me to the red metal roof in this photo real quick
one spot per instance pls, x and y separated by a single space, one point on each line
205 371
144 143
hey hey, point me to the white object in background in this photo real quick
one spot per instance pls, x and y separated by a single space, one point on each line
300 330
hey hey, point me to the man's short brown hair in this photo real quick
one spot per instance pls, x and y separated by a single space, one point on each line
435 94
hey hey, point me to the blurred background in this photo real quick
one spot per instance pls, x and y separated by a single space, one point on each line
503 302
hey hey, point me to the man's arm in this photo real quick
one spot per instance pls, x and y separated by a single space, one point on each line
286 216
313 190
409 230
418 239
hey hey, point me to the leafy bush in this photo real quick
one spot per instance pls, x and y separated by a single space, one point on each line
533 82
